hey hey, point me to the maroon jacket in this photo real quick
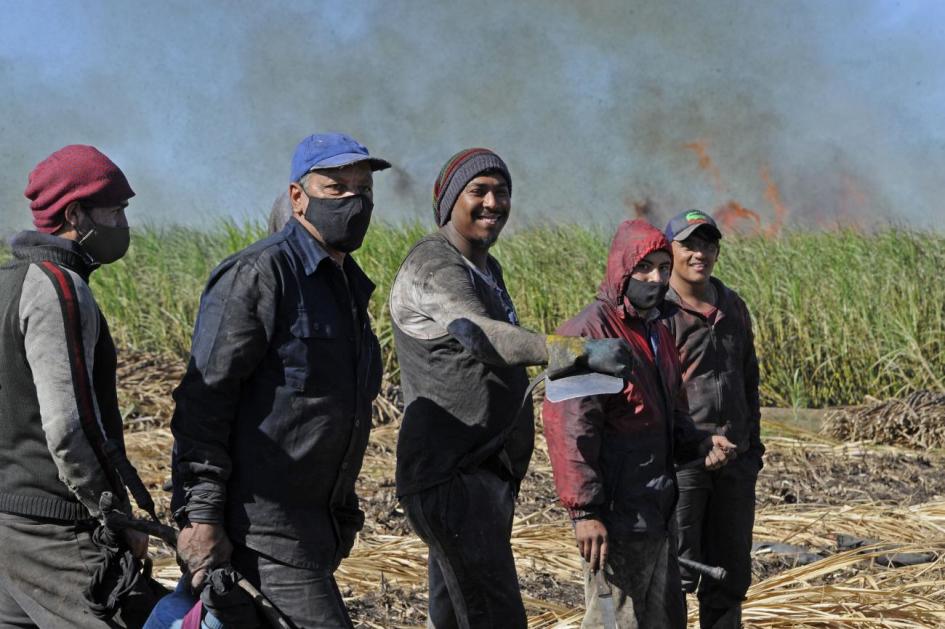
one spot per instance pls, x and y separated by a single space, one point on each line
720 368
613 455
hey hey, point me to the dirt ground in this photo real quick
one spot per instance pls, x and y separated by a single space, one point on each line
801 468
793 474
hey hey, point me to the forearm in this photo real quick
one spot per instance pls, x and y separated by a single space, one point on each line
201 468
231 336
497 342
573 430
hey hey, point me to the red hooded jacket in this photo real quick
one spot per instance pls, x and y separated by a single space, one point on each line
612 455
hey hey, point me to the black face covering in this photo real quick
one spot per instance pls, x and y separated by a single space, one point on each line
342 222
103 243
645 295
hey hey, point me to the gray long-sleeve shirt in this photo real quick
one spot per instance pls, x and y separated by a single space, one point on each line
54 330
462 386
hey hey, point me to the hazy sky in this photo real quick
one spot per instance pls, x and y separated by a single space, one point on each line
591 104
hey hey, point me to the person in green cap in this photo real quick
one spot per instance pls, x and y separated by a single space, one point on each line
712 329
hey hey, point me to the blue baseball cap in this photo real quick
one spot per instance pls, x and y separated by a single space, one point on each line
685 223
330 150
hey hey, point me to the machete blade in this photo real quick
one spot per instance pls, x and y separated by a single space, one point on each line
581 385
605 600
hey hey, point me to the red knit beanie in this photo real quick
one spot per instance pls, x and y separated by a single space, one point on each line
73 173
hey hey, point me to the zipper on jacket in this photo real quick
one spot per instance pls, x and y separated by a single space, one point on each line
715 375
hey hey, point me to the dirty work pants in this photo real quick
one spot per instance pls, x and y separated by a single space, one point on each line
715 515
467 524
308 597
46 566
643 577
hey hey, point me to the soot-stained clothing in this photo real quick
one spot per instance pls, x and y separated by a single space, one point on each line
58 405
720 367
613 455
466 437
273 414
457 397
58 400
716 509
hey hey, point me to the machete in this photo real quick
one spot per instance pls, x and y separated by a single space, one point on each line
581 385
117 521
569 383
605 599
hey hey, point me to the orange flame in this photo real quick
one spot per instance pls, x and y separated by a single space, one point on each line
734 217
773 196
701 149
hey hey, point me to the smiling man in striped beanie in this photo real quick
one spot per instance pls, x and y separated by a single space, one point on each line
468 430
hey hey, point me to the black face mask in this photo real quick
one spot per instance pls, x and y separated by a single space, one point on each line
103 243
342 222
645 295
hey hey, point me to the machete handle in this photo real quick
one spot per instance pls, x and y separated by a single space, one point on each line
716 573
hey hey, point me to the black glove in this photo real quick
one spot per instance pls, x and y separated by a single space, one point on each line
570 354
227 601
610 356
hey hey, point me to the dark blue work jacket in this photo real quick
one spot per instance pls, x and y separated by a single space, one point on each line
274 411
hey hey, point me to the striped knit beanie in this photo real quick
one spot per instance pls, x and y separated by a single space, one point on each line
457 172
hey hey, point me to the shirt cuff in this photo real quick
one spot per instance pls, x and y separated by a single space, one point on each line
583 514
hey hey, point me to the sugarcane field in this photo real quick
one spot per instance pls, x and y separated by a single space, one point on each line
850 516
395 314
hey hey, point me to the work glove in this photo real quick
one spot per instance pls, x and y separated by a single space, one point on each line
571 354
227 601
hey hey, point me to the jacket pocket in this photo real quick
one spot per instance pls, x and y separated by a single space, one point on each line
312 335
639 491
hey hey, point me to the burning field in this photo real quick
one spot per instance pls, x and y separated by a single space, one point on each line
840 317
848 534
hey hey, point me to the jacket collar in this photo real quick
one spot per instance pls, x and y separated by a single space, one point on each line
35 246
721 293
309 250
313 255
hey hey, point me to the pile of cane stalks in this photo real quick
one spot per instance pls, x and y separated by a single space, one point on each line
916 421
813 489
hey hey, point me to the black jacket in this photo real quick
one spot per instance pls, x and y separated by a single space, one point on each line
274 411
720 368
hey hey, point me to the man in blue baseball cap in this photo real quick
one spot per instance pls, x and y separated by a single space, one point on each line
712 329
273 413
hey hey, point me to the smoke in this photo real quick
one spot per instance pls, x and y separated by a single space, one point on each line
599 108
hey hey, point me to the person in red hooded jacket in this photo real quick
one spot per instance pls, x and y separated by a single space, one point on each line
613 456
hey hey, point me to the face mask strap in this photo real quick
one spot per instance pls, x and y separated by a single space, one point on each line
88 216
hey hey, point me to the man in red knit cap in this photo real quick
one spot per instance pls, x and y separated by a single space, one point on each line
58 404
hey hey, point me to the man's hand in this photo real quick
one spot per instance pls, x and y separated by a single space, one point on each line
721 451
203 547
610 356
137 542
591 536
